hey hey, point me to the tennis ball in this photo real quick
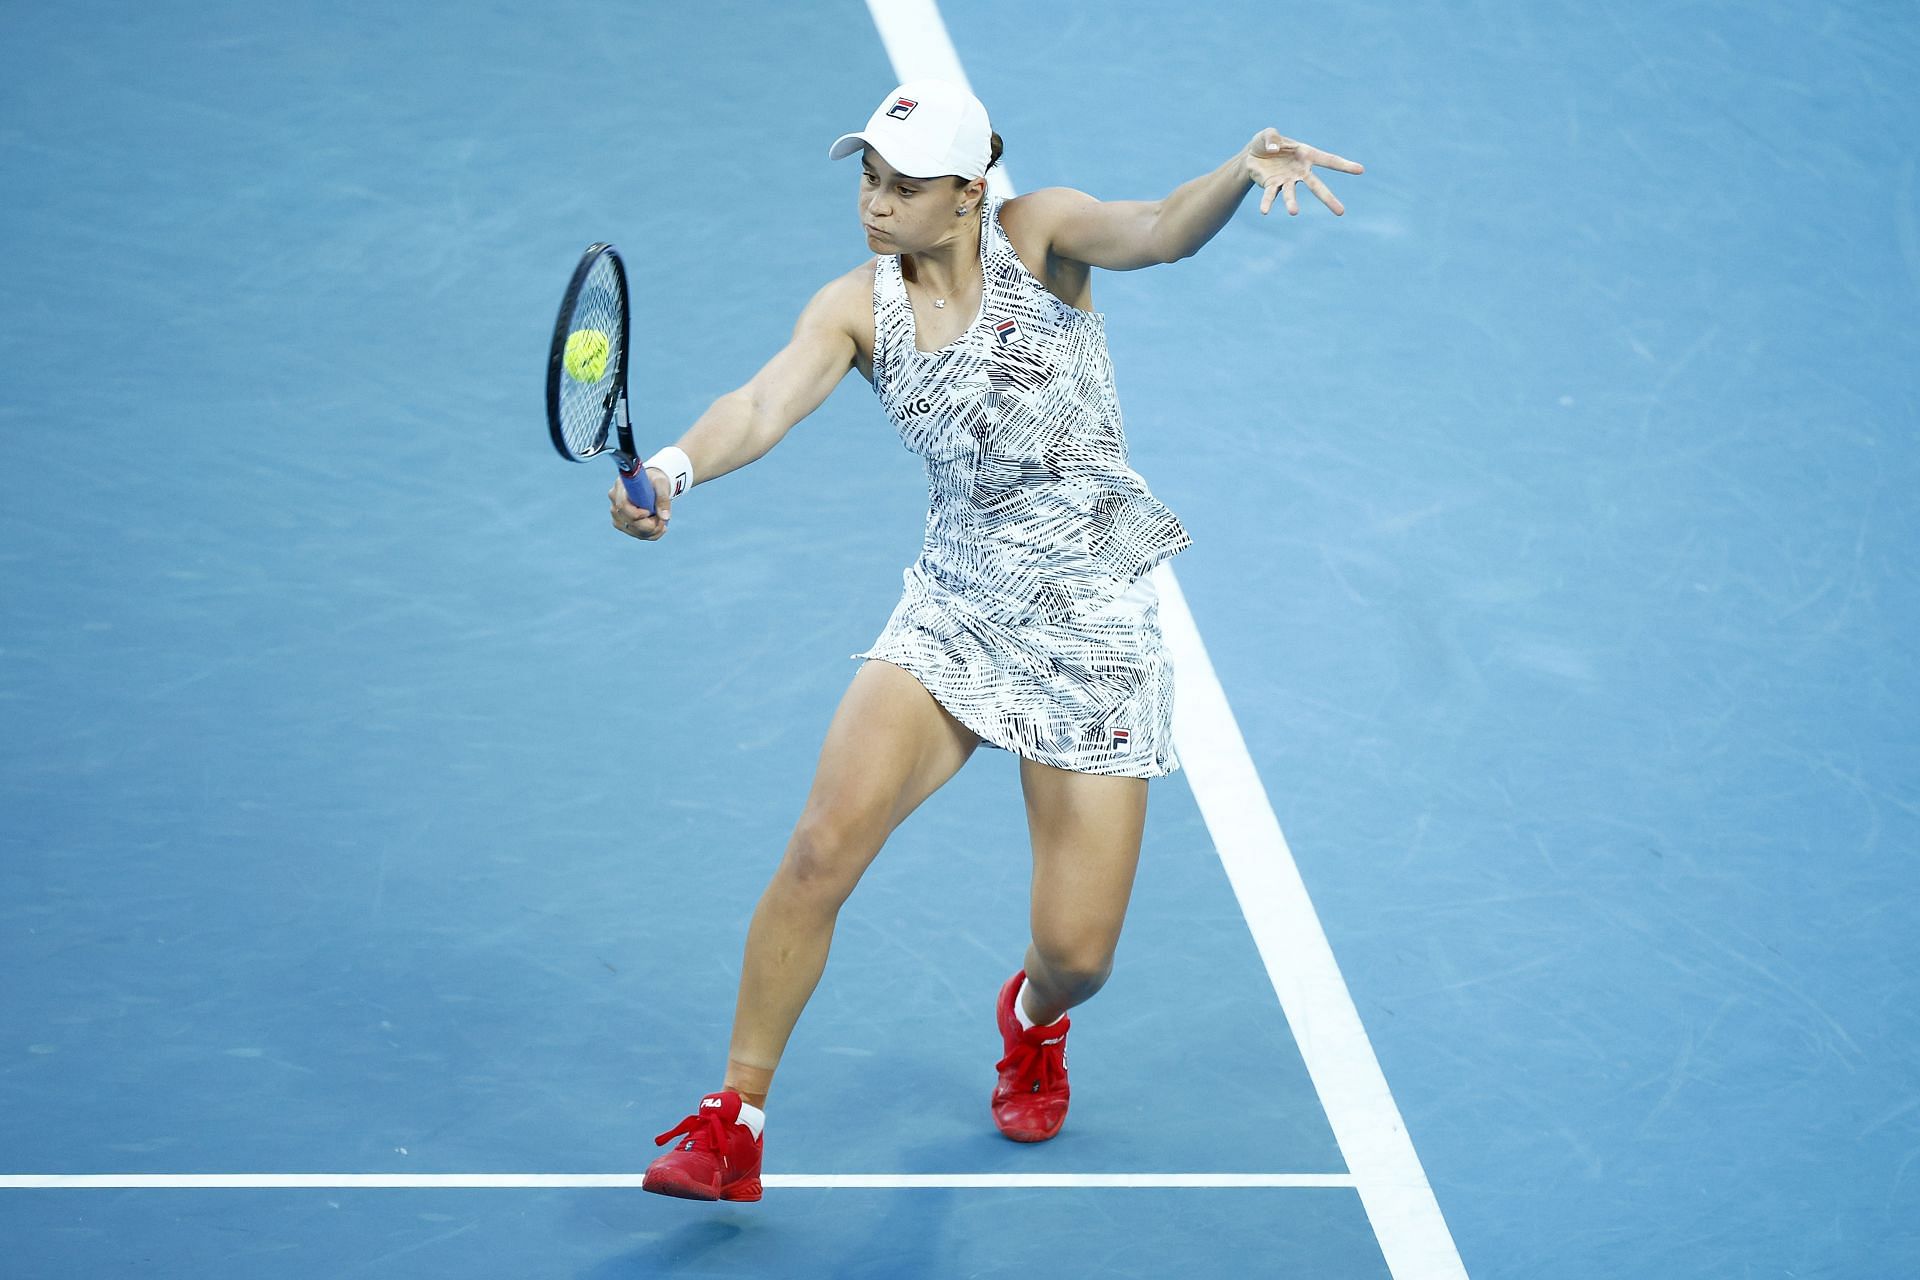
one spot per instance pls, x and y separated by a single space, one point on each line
586 357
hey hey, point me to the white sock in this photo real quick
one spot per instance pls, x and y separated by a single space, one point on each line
753 1117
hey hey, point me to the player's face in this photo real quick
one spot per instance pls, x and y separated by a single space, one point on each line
902 214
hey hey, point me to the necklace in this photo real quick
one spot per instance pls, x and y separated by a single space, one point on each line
940 303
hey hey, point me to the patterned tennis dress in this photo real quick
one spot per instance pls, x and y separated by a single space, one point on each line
1029 614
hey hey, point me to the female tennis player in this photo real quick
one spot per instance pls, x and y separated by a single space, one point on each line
1029 621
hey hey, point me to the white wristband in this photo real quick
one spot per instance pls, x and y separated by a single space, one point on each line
679 468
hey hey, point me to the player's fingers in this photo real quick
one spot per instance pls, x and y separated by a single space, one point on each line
645 528
662 492
1327 197
626 517
1266 201
1286 190
1328 160
623 508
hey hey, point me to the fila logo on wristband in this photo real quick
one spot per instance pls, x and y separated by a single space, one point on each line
679 469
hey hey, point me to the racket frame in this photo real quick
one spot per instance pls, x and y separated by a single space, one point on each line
614 410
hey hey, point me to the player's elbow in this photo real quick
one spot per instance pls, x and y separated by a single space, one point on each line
1156 255
762 422
1164 243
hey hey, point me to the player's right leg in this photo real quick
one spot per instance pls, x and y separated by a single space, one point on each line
890 746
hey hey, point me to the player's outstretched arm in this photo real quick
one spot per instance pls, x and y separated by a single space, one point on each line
742 425
1124 235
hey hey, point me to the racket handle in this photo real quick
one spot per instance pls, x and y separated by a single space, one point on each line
639 485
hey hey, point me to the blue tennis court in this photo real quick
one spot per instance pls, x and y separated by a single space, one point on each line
378 829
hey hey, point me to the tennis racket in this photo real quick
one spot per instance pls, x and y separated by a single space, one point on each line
587 370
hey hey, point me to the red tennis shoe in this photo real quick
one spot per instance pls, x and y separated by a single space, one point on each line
1030 1102
717 1159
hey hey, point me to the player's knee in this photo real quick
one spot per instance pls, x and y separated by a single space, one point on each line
827 852
1077 967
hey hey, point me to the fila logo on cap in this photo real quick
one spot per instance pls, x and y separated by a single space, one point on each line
1007 331
901 108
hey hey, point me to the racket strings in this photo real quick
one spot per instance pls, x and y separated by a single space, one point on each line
586 406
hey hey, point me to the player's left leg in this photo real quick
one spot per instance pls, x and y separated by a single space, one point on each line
1086 832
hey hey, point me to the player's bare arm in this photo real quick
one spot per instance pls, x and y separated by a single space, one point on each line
1125 235
743 425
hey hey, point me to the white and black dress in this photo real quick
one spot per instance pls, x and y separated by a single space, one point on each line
1029 614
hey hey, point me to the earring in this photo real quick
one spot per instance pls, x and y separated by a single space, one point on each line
960 213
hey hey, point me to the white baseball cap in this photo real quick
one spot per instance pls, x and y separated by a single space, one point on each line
926 129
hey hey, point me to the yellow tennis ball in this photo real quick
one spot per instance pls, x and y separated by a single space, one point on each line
586 357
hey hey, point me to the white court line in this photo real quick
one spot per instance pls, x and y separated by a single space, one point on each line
794 1181
1360 1109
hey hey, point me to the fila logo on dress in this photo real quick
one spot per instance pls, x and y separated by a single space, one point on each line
1007 331
901 108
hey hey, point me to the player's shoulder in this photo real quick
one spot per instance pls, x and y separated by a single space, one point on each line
1032 220
1045 200
1043 209
857 283
847 299
849 289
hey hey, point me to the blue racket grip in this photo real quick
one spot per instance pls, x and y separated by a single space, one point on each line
638 484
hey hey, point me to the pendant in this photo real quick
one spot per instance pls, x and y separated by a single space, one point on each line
940 302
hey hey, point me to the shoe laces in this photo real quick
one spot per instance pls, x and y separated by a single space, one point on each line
1038 1056
705 1131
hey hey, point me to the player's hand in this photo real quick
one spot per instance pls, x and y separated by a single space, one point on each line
1277 163
648 526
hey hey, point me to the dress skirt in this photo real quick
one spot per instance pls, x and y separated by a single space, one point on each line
1091 694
